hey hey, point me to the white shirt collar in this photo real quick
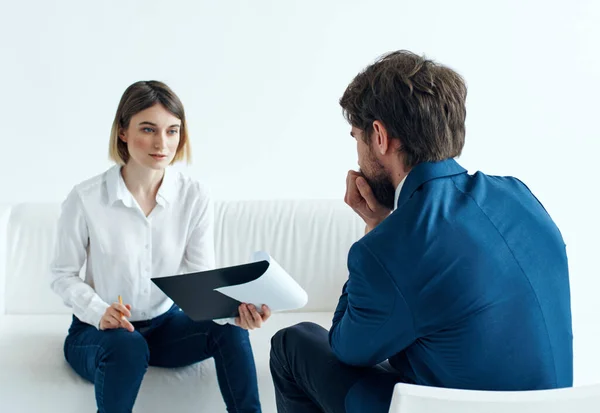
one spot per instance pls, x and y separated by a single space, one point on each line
115 186
168 187
397 195
117 190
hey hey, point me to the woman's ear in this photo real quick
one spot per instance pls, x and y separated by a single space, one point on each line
122 135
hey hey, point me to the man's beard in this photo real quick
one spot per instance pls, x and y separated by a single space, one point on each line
381 185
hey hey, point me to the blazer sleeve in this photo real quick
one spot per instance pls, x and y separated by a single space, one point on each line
377 322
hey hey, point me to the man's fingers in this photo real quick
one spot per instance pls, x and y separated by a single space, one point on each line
348 182
353 194
350 176
366 193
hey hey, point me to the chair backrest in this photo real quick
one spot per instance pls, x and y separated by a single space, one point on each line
310 239
409 398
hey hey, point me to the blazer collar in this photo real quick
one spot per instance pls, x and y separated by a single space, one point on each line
425 172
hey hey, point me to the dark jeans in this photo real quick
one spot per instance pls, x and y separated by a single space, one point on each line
308 378
116 360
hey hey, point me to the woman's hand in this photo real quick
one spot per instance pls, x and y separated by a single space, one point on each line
115 317
250 318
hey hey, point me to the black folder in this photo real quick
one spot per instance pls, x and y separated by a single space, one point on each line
195 292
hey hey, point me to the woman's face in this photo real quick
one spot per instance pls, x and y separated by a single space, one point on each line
152 137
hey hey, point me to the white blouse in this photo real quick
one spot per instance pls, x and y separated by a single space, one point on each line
101 221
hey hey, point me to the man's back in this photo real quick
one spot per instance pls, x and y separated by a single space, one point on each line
483 271
465 285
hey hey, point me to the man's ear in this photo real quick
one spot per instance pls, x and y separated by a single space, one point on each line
381 138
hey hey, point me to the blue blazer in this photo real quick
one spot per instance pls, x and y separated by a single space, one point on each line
465 285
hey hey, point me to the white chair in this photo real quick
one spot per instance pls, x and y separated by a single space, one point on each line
410 398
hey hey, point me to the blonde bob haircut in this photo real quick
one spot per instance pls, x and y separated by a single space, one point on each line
138 97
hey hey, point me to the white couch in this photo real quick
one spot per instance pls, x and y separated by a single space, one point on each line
310 239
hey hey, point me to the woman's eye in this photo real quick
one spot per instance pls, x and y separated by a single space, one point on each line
148 130
173 131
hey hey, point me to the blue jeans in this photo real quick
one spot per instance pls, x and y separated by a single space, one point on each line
116 360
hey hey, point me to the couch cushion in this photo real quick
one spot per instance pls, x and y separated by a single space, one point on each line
35 377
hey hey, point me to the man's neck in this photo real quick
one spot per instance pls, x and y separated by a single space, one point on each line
398 179
399 175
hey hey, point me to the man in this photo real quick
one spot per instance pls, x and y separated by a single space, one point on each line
464 285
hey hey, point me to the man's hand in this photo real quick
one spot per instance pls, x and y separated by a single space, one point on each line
250 319
115 317
360 198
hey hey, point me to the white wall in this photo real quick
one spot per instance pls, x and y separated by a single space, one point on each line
261 79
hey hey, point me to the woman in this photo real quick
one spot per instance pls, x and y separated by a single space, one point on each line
135 221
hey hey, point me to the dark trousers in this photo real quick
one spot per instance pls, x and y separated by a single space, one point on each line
116 360
308 378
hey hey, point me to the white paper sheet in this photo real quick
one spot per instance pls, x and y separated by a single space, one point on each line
275 288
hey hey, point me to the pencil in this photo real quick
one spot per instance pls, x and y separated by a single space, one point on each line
121 302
